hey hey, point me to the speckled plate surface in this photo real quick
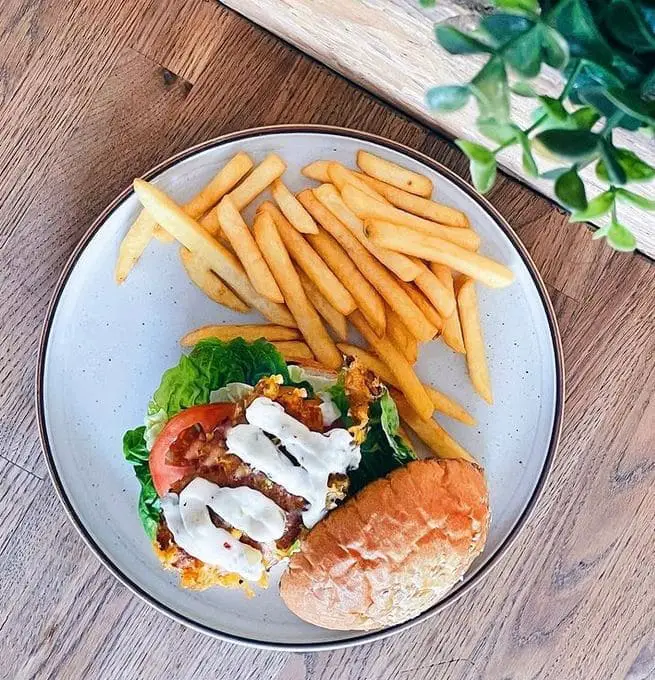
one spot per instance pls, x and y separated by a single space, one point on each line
105 347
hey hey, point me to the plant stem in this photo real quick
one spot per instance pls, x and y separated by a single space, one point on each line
614 219
569 83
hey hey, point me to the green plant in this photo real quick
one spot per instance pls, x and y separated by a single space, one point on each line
605 50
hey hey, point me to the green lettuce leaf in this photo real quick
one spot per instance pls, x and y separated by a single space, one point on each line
136 453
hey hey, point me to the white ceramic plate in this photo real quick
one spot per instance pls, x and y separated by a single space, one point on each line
104 349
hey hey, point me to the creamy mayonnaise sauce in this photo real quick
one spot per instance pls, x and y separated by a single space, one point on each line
319 454
248 510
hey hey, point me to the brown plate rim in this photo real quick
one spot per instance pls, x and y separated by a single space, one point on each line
559 386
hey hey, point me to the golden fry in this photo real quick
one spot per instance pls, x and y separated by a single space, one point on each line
394 174
335 319
436 249
366 297
423 207
247 250
193 237
407 379
201 274
133 244
452 331
403 267
262 176
419 299
368 208
249 332
292 209
441 402
441 297
473 341
310 262
430 432
294 350
340 176
162 235
306 316
398 334
318 171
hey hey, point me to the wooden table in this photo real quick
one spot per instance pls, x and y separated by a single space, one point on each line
94 93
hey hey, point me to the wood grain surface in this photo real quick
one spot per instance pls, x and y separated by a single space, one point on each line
93 93
388 47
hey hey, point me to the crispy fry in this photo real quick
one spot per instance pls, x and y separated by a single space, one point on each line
340 176
211 225
398 334
292 209
430 432
162 235
419 299
423 207
367 298
247 250
407 380
310 262
452 331
393 174
248 332
368 208
403 267
133 244
336 320
436 249
294 350
442 403
383 282
306 316
191 235
473 341
264 174
440 296
318 170
201 274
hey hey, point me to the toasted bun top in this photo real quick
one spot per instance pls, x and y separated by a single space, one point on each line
392 550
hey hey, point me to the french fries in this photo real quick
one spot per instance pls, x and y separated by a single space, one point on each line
394 174
133 244
248 332
367 208
383 282
309 261
452 331
473 342
441 297
419 299
442 403
292 209
436 249
340 176
318 170
193 237
201 274
367 298
423 207
247 250
430 432
294 350
307 318
261 177
401 337
403 267
403 372
335 319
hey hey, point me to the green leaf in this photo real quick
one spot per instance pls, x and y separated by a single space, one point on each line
427 3
597 97
601 232
598 206
475 152
570 190
524 53
636 199
631 103
504 28
136 453
501 133
134 446
615 171
490 89
635 169
390 422
554 108
584 118
571 144
523 89
648 87
554 173
529 164
621 238
482 165
554 48
531 6
340 399
455 41
447 98
626 22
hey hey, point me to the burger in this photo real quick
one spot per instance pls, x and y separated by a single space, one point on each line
246 460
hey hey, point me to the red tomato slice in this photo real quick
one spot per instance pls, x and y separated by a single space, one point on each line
208 417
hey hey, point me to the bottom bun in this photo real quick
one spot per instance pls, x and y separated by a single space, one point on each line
392 550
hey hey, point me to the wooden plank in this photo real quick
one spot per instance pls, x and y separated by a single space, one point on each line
116 112
388 47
